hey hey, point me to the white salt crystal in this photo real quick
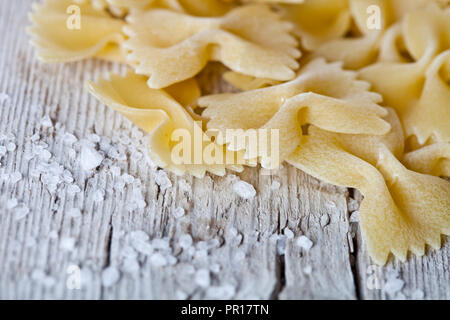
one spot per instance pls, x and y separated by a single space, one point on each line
67 244
417 295
224 292
139 235
158 260
69 139
161 244
355 216
215 268
181 295
46 122
304 242
11 146
130 265
73 188
12 203
178 213
162 180
244 190
15 177
90 158
202 278
2 151
99 195
127 178
74 213
288 233
141 204
201 255
21 212
110 276
393 285
185 241
275 185
324 220
171 260
142 246
44 155
281 245
307 270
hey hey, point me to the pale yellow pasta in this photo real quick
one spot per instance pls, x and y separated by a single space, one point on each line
170 47
402 210
194 7
432 159
97 35
322 94
160 114
244 82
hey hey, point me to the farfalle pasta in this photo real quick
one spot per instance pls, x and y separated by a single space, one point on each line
358 92
64 30
159 113
322 94
170 47
402 210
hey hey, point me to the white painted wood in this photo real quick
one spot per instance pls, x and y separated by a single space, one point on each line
245 263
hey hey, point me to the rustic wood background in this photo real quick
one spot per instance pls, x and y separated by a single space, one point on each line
39 247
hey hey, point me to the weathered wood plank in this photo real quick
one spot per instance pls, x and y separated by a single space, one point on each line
237 249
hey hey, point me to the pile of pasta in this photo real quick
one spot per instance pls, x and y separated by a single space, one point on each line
355 105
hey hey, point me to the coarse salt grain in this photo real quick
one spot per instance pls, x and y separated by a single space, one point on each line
202 278
178 213
304 243
158 260
162 180
67 244
185 241
110 276
90 158
288 233
244 190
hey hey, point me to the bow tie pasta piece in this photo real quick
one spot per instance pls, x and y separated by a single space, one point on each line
106 5
158 113
194 7
419 89
246 83
402 210
58 38
371 18
322 94
170 47
433 159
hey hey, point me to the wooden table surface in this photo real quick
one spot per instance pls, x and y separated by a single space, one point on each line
51 250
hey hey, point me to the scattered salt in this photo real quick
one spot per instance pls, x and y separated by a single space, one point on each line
281 245
244 190
275 185
288 233
11 146
185 241
12 203
130 265
393 285
21 212
304 243
158 260
162 180
127 178
90 158
2 151
202 278
110 276
99 195
73 188
67 244
307 270
139 235
417 295
46 122
178 213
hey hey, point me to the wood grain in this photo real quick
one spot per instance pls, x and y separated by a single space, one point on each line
244 259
